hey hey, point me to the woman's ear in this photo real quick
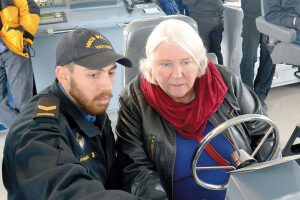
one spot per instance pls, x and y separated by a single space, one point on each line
151 76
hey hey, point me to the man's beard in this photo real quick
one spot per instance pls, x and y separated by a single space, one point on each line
83 102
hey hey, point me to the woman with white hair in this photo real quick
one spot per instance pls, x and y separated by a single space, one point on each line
165 111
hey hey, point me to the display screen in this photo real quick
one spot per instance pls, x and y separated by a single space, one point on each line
91 3
140 1
53 18
47 15
49 3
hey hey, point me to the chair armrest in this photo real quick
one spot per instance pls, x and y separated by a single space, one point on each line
274 31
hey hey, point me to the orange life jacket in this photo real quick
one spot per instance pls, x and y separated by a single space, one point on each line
19 22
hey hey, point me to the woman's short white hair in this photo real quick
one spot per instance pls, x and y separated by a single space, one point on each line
176 32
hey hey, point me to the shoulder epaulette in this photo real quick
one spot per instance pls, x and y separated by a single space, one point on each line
47 107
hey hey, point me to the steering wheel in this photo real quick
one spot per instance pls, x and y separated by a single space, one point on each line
242 155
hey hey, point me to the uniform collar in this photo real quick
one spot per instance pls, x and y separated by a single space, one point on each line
71 110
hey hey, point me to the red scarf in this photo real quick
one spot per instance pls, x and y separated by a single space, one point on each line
189 119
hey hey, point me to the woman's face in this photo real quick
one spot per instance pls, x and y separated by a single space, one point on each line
175 71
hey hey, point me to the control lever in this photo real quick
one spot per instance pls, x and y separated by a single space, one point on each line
51 31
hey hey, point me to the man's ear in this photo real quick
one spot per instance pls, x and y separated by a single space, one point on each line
62 74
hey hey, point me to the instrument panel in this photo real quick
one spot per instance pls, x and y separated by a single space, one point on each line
53 18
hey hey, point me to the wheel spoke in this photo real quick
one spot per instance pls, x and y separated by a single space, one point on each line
262 141
215 168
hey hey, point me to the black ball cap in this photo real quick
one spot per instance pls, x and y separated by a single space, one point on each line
89 49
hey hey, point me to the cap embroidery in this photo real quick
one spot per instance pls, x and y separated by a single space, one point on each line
91 40
103 46
100 37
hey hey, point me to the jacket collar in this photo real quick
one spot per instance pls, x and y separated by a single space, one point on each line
72 111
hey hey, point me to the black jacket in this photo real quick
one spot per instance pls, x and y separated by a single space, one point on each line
53 152
251 8
146 142
205 8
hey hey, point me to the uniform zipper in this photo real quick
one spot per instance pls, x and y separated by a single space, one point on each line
152 147
173 163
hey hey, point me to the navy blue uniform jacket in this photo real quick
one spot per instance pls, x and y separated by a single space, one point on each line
53 152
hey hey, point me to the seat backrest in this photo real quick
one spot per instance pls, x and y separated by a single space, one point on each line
280 40
135 36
